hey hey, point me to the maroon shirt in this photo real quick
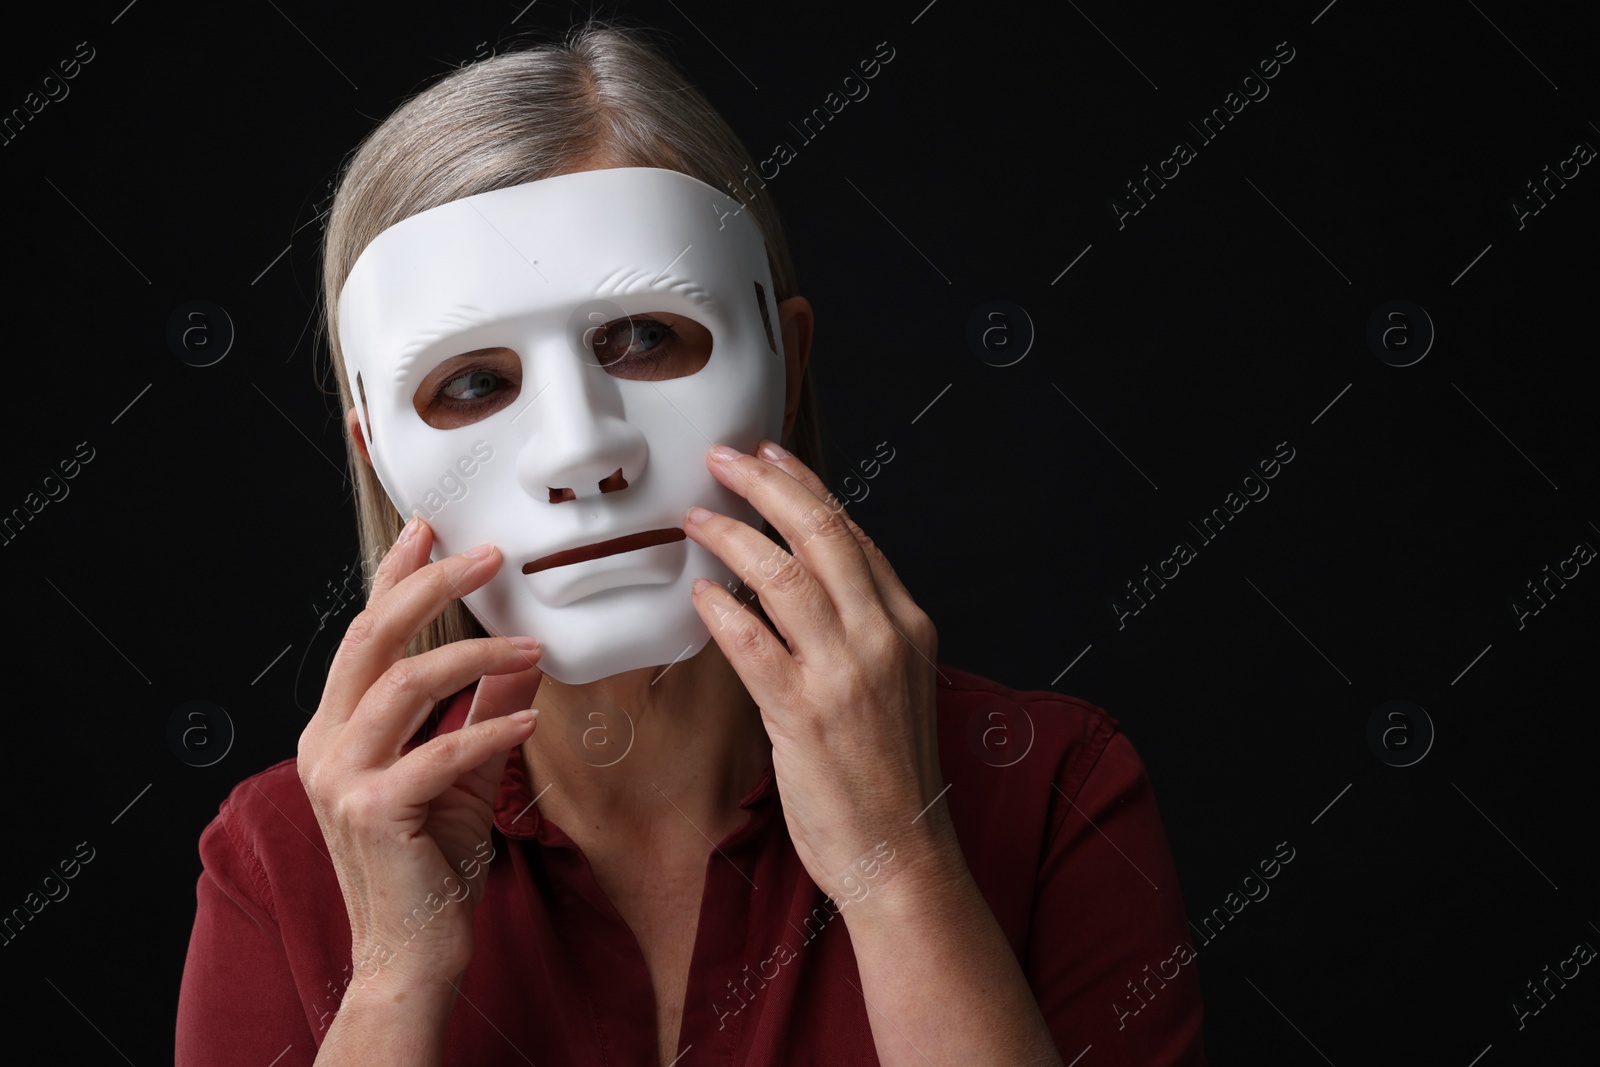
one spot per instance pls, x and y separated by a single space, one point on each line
1065 843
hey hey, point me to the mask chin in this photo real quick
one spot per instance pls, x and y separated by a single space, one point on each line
621 629
584 665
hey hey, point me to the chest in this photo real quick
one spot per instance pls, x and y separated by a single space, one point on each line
602 965
664 916
667 952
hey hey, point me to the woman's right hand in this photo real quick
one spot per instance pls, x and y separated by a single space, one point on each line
409 834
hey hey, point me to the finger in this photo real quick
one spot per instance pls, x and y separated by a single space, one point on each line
796 603
762 663
900 610
394 708
818 536
502 694
429 769
409 552
893 591
377 637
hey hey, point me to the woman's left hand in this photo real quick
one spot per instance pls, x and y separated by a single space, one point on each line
850 703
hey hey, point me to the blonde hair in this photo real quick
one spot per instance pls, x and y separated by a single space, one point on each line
603 96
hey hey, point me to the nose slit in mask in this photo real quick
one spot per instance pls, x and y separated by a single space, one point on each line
609 484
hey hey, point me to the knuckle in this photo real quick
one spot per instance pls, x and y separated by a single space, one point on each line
324 789
756 472
727 615
303 753
362 629
398 681
826 523
782 572
312 769
883 640
362 807
448 747
809 479
922 634
923 629
740 626
747 639
382 569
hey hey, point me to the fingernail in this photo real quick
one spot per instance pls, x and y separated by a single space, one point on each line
771 450
697 514
725 454
410 529
527 644
700 583
480 552
527 716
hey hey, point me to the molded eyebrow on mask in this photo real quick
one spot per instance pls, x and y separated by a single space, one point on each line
627 281
454 320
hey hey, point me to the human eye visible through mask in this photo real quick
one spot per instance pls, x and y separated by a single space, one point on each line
469 388
656 346
475 381
651 347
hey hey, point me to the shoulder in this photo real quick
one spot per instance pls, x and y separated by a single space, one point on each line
1036 736
271 939
264 826
1024 768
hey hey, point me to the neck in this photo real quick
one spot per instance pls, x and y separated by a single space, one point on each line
648 758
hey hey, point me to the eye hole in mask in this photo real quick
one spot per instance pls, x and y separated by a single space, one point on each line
654 346
467 388
651 347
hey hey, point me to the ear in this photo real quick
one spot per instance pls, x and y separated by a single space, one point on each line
353 424
796 318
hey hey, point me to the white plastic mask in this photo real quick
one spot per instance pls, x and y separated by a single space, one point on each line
535 269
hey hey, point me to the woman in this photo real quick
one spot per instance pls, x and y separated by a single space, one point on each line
798 841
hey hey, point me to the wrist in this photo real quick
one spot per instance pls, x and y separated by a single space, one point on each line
419 958
393 1019
405 1000
931 878
393 986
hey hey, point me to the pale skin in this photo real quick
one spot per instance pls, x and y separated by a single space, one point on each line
839 702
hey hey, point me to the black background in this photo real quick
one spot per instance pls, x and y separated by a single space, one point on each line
193 554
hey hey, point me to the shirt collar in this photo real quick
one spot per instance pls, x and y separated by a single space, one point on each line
515 813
